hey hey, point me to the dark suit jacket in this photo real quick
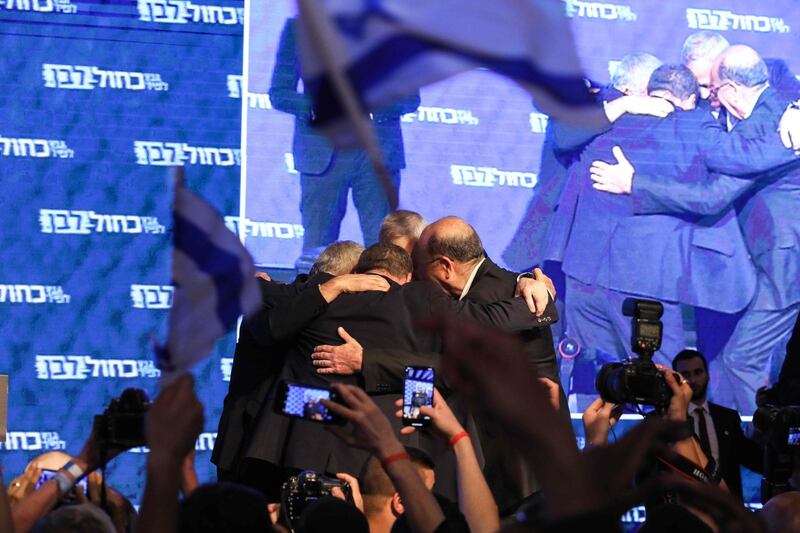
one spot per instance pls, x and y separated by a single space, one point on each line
734 448
376 320
666 257
508 473
768 194
313 153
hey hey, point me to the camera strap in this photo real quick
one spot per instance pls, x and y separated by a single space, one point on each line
686 468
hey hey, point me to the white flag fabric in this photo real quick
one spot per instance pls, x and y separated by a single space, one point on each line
214 280
388 49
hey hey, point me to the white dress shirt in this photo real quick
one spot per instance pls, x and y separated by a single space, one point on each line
468 285
712 433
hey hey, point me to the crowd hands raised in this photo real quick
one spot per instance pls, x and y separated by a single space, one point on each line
582 490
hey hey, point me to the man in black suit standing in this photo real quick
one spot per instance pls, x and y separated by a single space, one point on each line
450 253
718 428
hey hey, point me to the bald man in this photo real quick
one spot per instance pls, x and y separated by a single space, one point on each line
450 253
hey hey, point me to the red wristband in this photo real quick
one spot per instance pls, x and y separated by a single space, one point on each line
386 461
457 437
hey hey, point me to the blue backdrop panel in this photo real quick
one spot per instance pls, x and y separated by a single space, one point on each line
99 100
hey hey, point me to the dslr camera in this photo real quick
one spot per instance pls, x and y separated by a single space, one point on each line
299 491
122 423
777 420
638 380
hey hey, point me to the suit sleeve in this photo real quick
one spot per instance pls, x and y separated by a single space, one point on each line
283 316
509 315
653 194
746 152
746 451
283 93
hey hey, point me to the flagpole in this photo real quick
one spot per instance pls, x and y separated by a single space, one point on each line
322 36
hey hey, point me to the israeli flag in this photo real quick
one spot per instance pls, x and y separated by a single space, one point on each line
214 280
387 49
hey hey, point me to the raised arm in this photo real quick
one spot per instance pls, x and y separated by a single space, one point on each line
475 499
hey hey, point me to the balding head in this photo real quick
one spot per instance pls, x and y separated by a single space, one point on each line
447 252
782 513
738 77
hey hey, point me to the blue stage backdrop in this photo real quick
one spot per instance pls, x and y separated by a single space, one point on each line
100 98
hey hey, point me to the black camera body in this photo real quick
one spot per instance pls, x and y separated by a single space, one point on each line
122 423
305 488
777 420
638 380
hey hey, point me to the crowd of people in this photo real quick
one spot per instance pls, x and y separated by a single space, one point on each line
500 452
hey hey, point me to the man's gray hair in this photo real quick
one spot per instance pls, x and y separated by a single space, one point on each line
634 71
703 44
401 223
744 67
338 258
83 518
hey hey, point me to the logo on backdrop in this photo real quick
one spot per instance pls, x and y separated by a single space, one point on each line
184 11
32 441
24 147
205 443
723 20
226 366
489 177
87 78
244 227
443 115
40 6
254 100
80 367
600 10
538 122
171 154
33 294
79 222
152 296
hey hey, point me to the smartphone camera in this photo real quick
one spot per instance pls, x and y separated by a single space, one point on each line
303 401
793 437
417 392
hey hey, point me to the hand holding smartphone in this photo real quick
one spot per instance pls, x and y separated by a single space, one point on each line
417 392
304 401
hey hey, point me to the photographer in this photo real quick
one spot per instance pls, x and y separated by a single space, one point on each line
475 500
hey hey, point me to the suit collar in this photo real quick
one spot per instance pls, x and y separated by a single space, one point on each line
471 280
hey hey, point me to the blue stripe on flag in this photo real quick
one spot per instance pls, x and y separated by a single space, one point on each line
221 265
394 52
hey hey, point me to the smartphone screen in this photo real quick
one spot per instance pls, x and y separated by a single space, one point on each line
47 475
793 438
417 391
302 401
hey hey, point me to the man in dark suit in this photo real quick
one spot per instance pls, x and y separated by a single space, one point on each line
378 320
611 254
327 174
766 196
450 252
259 358
718 428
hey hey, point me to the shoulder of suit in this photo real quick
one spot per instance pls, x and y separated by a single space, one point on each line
725 411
